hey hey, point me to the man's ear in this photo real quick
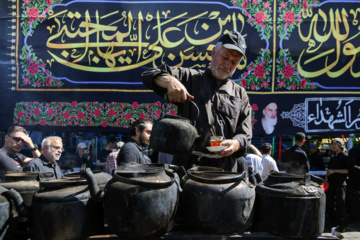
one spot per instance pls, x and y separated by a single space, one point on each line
137 131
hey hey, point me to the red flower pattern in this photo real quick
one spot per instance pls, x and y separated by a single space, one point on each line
33 13
33 68
259 71
288 71
289 17
260 17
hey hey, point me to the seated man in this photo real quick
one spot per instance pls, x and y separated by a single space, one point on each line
10 157
51 149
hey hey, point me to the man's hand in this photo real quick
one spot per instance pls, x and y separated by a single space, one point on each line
176 91
232 146
28 141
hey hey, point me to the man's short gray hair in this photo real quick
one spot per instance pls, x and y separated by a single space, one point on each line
47 141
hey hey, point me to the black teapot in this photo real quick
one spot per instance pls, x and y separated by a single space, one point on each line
176 135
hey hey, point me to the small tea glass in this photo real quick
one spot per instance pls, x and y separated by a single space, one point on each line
216 140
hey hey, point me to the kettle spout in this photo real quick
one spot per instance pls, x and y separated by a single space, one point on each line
95 191
20 206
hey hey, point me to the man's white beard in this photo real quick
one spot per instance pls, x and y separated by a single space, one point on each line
52 156
269 124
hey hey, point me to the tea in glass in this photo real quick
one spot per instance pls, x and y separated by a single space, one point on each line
216 140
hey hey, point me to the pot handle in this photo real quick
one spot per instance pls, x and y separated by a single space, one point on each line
20 206
94 189
236 178
188 101
146 184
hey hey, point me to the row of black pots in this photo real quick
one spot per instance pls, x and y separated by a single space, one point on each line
56 209
142 201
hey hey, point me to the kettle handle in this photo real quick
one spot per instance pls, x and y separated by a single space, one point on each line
188 100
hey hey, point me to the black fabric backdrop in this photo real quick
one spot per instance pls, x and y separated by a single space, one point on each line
76 65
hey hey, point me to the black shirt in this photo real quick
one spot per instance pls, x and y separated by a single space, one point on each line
10 162
131 152
296 160
340 161
42 165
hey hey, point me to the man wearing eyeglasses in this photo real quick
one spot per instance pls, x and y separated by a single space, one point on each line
11 160
51 150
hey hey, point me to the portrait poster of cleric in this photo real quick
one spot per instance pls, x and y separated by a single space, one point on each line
269 118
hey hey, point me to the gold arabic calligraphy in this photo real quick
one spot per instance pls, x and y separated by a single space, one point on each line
338 25
88 44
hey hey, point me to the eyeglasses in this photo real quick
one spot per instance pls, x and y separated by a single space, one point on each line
17 139
58 148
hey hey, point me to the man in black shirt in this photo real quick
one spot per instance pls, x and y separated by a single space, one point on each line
221 103
354 193
51 149
132 151
338 169
316 160
295 159
10 157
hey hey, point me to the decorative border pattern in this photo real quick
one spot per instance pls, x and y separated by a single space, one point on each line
34 70
88 114
290 16
258 74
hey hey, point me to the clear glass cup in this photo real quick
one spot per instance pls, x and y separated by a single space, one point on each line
216 140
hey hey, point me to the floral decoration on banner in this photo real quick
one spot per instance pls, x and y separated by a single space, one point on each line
34 70
290 16
258 73
254 108
88 114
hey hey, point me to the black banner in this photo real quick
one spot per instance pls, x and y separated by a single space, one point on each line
76 65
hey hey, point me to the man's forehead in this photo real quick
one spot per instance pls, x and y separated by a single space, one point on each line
18 134
56 141
271 106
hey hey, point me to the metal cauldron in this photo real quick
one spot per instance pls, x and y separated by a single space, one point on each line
63 209
139 202
290 205
218 202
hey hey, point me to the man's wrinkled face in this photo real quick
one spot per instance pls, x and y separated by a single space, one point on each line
54 151
270 114
224 62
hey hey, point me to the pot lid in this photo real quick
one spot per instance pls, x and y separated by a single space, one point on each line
67 194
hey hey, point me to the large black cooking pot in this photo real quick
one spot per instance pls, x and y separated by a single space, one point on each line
290 205
139 201
62 209
218 202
